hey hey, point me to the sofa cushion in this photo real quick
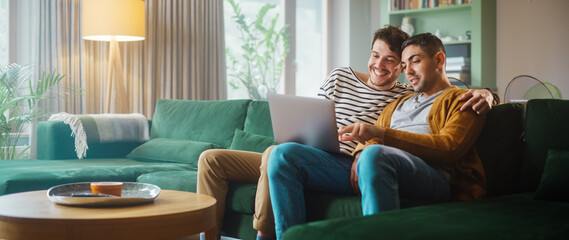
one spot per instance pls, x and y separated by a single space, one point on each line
30 175
545 128
241 197
500 147
172 180
506 217
259 119
247 141
554 183
171 150
202 121
319 205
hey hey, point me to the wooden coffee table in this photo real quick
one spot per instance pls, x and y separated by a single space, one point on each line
175 214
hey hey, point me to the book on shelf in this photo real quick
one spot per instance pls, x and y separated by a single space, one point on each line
397 5
458 61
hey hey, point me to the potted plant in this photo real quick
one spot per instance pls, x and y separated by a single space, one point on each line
19 96
264 47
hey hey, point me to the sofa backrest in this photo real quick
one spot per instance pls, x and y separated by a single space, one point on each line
500 148
203 121
546 128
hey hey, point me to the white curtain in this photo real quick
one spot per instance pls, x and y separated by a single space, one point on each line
59 48
182 57
185 50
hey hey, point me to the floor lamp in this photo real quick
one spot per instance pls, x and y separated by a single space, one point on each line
114 21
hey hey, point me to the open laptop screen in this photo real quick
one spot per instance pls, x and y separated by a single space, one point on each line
305 120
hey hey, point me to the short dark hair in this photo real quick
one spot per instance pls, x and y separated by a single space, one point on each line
391 35
429 43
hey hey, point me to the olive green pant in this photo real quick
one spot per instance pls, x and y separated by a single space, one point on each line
218 166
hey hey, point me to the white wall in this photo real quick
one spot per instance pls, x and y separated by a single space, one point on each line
532 37
339 34
360 37
349 33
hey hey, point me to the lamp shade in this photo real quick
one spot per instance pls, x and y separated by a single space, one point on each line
103 20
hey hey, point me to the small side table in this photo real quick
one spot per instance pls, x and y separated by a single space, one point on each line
174 214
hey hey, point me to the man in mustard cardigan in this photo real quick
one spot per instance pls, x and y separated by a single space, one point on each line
421 147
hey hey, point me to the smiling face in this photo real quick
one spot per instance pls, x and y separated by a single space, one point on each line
422 71
383 66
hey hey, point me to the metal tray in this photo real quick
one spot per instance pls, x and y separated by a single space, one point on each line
79 194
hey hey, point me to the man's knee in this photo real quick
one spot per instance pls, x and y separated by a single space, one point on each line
282 156
265 158
208 160
375 160
370 155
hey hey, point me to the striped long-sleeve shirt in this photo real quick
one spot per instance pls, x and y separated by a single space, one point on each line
355 101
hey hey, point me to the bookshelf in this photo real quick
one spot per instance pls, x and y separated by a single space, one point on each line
452 21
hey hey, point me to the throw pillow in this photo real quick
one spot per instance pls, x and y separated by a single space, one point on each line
554 183
247 141
258 119
170 150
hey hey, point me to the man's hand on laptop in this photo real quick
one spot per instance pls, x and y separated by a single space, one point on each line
360 132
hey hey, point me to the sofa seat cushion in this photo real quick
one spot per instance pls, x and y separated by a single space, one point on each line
202 121
319 205
29 175
171 150
241 197
172 180
505 217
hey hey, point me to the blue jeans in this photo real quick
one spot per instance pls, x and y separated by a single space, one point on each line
385 174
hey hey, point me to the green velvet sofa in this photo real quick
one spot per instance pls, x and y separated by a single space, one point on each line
527 166
181 130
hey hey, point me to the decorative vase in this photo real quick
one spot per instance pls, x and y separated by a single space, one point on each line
407 27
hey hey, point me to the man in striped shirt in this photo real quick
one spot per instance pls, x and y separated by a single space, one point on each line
358 97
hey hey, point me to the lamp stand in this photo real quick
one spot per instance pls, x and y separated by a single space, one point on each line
115 82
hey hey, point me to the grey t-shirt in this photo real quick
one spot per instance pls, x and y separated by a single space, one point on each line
411 115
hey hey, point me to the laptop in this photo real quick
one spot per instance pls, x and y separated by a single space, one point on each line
305 120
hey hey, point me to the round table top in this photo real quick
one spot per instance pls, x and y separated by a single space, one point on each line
37 205
174 214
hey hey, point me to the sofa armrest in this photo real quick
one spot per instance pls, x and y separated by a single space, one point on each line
54 142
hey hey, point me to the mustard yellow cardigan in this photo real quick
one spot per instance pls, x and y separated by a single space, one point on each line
451 142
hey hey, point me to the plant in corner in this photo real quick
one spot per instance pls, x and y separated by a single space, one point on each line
264 48
19 96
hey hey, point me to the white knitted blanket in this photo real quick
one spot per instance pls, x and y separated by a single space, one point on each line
104 128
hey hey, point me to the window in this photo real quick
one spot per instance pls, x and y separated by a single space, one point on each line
309 47
306 42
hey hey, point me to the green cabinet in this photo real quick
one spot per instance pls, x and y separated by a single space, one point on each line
478 17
